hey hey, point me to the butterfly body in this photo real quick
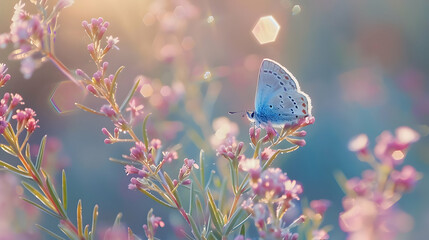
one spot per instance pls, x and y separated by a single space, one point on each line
279 99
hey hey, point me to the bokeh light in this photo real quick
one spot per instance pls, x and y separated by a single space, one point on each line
65 95
266 30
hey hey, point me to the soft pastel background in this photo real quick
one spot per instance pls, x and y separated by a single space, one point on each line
364 63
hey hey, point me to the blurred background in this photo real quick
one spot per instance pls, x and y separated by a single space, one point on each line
365 65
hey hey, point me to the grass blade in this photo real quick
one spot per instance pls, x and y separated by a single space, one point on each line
145 137
202 171
94 220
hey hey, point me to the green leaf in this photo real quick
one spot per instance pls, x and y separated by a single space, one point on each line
118 220
156 199
223 197
214 212
130 95
94 220
79 218
113 86
341 180
242 222
50 232
27 152
55 197
195 231
210 179
199 205
40 153
8 149
202 169
243 231
38 195
87 109
42 208
191 199
64 188
125 162
145 137
211 236
234 218
69 233
14 169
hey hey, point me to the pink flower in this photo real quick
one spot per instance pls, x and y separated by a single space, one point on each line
108 111
254 134
271 133
169 156
230 149
320 206
270 184
135 109
28 65
111 43
406 179
292 189
267 154
359 144
186 169
153 224
137 153
3 76
3 124
251 165
391 150
156 143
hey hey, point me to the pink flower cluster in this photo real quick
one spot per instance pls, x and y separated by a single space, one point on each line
274 192
30 34
25 118
152 225
231 150
370 204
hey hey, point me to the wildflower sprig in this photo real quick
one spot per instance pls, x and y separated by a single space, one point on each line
36 180
372 199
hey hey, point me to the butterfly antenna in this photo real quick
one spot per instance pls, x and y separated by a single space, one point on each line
243 113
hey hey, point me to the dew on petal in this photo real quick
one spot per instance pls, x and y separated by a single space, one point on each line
207 75
65 95
266 30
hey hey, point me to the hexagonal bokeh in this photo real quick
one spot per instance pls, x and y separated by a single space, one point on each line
65 95
266 29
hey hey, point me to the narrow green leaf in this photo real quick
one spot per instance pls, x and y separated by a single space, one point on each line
202 167
156 199
87 109
38 195
242 222
27 152
145 137
79 218
50 232
40 153
341 179
223 197
113 86
64 188
14 169
210 179
8 149
42 208
234 218
195 231
199 205
118 220
191 199
86 231
130 95
125 162
130 234
243 231
211 236
94 220
55 197
69 233
214 212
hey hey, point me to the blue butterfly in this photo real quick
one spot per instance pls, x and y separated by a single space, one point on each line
279 99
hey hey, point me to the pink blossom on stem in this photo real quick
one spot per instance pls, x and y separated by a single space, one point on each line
320 206
169 156
254 134
271 133
108 111
137 153
3 124
359 144
267 154
156 143
406 179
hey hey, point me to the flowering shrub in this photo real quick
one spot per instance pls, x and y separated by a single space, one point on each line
254 191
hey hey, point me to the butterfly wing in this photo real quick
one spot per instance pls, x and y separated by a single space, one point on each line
278 95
